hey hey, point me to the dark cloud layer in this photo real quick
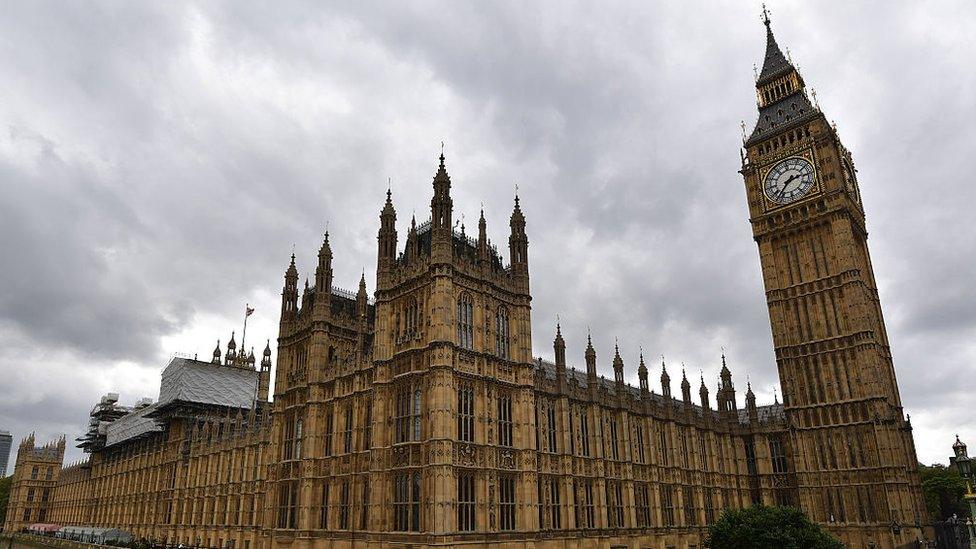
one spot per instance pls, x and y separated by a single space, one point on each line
157 163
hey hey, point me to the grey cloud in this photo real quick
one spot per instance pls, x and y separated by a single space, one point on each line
159 161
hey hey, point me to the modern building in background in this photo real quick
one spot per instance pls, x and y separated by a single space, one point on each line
5 441
420 416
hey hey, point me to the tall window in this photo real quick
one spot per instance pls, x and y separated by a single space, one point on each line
344 506
551 427
584 433
583 509
465 420
505 420
615 505
465 508
465 322
643 504
328 430
691 515
555 504
406 502
368 426
778 454
408 414
298 439
347 430
501 332
639 441
667 504
665 448
506 503
287 500
324 514
364 512
703 455
709 506
614 453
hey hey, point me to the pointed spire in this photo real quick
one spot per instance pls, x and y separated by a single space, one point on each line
703 393
775 63
665 380
618 363
216 353
642 373
685 386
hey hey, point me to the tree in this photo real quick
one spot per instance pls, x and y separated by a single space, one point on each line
5 483
764 527
943 489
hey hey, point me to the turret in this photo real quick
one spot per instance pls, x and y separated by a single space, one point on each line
362 298
482 237
323 272
559 348
665 381
387 237
518 244
216 353
685 388
618 366
590 356
264 374
413 246
959 448
231 355
642 376
703 393
289 294
441 213
751 404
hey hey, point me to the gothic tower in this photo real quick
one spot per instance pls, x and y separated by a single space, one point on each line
854 453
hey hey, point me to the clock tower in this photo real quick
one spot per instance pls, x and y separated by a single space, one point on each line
854 455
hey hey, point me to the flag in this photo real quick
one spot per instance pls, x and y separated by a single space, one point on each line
248 310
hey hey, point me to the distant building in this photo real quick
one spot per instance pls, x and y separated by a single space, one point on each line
35 476
5 441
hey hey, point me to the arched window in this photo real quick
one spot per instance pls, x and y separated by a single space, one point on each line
465 322
501 332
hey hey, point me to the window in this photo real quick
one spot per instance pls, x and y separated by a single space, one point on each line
665 450
408 414
584 434
583 509
30 494
347 431
551 427
465 420
643 505
344 506
368 425
639 442
709 507
549 503
465 508
406 502
328 430
615 505
34 473
614 453
506 503
364 513
505 420
298 439
324 514
287 499
778 454
691 515
667 504
465 322
501 332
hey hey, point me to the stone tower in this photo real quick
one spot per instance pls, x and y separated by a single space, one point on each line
855 457
33 483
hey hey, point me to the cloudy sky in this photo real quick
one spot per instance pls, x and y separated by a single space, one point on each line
158 161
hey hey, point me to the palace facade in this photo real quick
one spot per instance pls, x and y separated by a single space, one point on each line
419 416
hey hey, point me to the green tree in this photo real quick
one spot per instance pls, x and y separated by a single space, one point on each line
768 528
5 483
943 489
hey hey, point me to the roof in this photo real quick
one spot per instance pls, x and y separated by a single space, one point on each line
192 381
787 112
775 64
132 425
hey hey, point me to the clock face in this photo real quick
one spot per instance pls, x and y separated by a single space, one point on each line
789 180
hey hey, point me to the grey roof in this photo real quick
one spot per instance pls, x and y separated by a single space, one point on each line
132 425
775 64
196 382
789 111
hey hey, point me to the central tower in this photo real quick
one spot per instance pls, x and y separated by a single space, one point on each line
854 453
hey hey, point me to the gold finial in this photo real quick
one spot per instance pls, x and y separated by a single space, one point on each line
755 72
765 15
742 124
816 103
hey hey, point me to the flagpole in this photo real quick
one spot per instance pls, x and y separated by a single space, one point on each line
244 333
